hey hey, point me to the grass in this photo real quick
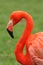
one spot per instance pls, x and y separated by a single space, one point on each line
7 45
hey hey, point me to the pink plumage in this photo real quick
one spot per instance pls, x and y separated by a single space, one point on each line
33 42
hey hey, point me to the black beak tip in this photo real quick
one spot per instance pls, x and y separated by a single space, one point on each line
10 33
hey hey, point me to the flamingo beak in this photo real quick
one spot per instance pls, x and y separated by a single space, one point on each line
10 28
10 33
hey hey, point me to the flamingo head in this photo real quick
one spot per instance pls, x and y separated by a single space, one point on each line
15 17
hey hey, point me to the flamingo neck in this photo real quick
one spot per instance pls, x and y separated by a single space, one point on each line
28 28
24 59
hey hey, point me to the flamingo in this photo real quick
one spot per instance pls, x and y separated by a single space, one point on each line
33 42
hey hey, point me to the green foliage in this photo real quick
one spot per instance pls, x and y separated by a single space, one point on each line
7 45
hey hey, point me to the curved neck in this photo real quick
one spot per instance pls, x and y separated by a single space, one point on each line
24 59
28 29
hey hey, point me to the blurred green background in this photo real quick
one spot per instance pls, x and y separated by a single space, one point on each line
7 45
